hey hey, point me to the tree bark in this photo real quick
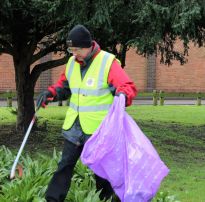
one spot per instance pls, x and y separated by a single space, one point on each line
122 54
25 91
25 83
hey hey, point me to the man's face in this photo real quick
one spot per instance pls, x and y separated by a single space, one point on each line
79 53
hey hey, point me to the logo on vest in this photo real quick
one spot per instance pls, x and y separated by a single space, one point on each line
90 82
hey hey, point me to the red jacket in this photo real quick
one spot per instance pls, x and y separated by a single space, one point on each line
117 79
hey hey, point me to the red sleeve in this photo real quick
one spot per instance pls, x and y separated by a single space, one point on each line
119 79
59 84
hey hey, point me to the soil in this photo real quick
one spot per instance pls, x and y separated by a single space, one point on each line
46 137
37 140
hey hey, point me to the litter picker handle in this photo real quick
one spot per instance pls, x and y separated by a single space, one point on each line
13 169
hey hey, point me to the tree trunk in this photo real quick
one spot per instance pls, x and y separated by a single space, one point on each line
25 93
26 107
122 54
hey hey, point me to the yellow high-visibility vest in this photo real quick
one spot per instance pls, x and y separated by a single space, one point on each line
90 97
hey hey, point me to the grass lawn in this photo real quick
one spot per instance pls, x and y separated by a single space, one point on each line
177 132
177 95
189 115
140 94
186 115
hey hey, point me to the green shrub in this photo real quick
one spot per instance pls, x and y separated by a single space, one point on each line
36 176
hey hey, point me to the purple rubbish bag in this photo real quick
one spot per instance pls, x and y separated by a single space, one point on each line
119 152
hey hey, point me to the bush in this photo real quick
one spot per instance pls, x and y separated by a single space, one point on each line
37 173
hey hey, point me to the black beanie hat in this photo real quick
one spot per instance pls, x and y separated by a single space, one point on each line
79 36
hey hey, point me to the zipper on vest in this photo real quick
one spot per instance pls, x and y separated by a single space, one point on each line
78 100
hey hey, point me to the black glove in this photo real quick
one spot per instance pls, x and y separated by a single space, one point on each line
43 98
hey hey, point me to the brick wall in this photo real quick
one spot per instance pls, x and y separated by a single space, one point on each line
175 78
7 76
136 68
56 72
183 78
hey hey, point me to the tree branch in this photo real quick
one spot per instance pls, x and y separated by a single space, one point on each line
45 66
51 28
45 51
61 24
33 45
3 50
7 48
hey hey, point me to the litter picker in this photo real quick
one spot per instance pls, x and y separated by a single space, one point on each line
13 169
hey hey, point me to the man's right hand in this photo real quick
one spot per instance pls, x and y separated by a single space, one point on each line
44 98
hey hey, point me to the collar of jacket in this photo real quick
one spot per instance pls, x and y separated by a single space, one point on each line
95 50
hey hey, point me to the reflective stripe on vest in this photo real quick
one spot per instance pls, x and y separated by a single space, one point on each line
89 108
90 97
87 92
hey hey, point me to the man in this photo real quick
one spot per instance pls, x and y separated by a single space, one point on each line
91 79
